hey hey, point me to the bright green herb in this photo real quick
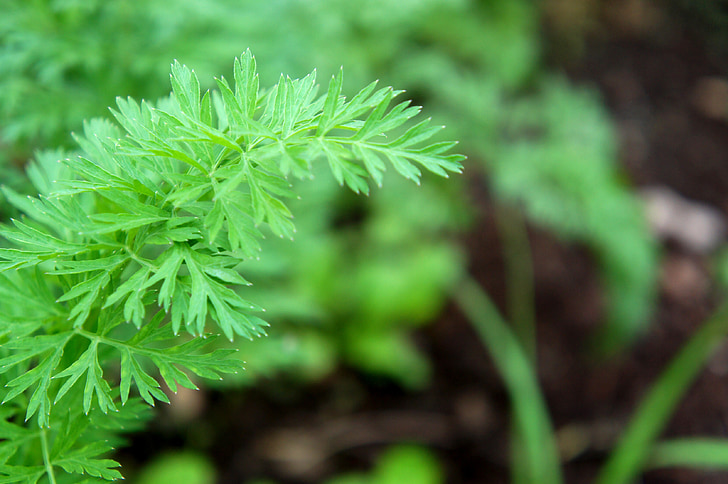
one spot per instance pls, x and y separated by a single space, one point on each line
147 226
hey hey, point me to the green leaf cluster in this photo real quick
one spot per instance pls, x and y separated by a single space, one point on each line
148 223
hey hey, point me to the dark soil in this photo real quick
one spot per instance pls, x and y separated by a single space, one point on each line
654 82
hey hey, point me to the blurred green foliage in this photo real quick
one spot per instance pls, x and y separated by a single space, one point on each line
66 60
178 468
357 287
543 143
410 463
559 162
357 278
361 274
402 463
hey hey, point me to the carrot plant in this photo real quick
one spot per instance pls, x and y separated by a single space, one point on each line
122 271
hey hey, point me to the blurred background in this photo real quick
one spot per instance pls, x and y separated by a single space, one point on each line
592 209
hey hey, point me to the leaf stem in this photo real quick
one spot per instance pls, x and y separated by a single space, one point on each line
631 454
133 256
705 453
47 456
516 249
531 421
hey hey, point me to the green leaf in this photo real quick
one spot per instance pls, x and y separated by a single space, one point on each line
73 426
131 204
21 474
30 206
333 98
266 207
538 459
26 348
163 149
134 283
344 170
114 222
88 364
81 266
169 263
85 461
632 451
230 309
147 386
693 452
26 296
49 349
88 291
34 238
186 90
214 220
161 346
200 132
373 163
246 83
243 235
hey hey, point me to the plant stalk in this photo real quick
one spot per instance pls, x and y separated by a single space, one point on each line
631 454
519 275
47 456
531 422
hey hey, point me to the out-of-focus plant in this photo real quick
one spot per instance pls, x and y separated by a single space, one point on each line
400 463
359 276
546 146
535 458
559 164
178 467
66 60
403 463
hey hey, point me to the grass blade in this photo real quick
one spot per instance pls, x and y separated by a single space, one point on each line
531 421
698 452
632 452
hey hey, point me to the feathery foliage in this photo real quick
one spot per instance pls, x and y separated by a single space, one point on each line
566 179
147 224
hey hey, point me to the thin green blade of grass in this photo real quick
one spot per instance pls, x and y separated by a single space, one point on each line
519 275
531 421
698 452
631 454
